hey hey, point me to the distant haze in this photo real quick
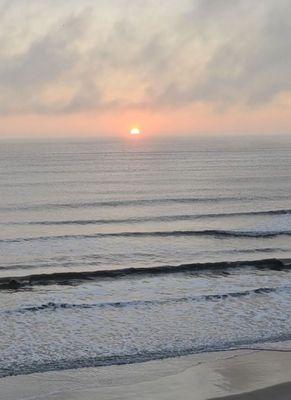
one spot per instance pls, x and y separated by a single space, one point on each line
95 68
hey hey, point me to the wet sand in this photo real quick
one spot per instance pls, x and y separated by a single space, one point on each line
277 392
231 375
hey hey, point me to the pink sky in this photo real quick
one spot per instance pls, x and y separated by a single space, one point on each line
170 67
190 121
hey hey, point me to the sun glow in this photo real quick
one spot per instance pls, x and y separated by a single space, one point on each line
135 131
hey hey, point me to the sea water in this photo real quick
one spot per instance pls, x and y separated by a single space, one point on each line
107 204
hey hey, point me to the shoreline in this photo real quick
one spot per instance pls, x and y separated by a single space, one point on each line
272 345
231 375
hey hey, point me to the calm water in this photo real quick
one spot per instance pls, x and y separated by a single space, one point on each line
99 205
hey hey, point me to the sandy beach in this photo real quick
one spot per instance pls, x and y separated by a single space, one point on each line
244 374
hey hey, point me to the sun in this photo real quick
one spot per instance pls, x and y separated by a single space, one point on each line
135 131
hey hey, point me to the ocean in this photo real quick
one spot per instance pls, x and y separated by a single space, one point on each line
125 250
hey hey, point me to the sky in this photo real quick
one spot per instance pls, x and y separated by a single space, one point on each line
169 67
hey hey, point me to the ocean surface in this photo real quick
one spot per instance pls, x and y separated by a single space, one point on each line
86 206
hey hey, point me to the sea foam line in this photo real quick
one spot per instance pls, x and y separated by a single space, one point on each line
51 306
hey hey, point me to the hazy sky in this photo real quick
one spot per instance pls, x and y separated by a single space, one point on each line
170 66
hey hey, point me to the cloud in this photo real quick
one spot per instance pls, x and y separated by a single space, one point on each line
250 64
57 57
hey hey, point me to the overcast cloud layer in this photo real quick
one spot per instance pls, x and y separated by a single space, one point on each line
68 56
